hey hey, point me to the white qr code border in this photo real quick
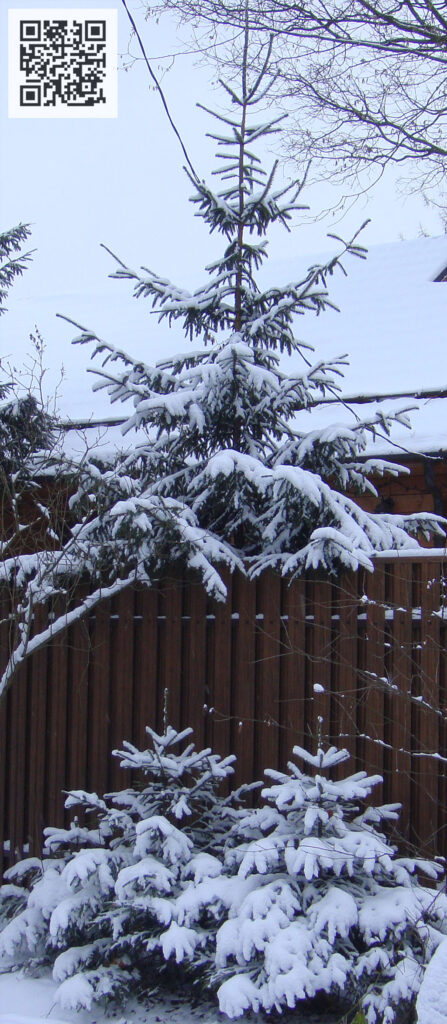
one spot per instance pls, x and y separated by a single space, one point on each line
18 81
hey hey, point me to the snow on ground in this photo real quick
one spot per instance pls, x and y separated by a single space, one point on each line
25 1000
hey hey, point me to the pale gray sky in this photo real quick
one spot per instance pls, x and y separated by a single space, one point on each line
120 181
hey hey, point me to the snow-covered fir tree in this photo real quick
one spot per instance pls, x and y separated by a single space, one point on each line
322 905
222 472
99 906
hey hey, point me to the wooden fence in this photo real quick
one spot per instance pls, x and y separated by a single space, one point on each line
252 676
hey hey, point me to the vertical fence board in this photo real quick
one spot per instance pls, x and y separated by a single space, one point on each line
4 650
344 691
267 687
37 745
98 745
78 644
320 653
292 668
195 664
398 704
372 704
243 677
16 761
426 717
121 680
170 626
220 667
3 836
55 779
145 664
442 836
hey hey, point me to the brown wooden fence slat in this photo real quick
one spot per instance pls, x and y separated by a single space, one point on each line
145 663
4 648
345 671
37 745
319 717
426 718
372 703
16 762
121 679
98 745
292 668
170 647
442 834
267 686
78 643
194 678
56 732
220 669
243 676
397 703
4 860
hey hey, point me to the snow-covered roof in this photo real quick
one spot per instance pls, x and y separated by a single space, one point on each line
392 325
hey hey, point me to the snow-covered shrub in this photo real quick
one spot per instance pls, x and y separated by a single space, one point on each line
303 897
328 907
99 906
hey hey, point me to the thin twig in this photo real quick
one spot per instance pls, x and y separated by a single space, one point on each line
160 90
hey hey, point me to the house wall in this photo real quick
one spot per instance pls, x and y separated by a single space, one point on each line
423 489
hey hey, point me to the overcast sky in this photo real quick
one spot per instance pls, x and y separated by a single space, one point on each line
120 181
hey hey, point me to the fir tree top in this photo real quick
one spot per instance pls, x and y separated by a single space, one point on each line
225 473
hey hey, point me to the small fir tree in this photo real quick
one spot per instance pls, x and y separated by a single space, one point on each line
224 471
329 910
99 907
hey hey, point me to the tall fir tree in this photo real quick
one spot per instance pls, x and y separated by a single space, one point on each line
225 473
222 471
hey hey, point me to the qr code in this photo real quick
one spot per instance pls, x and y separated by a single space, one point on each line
63 63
